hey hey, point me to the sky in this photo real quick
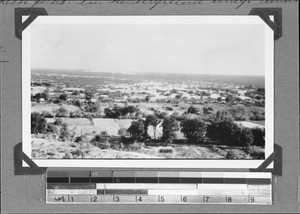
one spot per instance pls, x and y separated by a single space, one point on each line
169 48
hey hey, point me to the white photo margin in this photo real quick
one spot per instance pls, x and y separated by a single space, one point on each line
151 164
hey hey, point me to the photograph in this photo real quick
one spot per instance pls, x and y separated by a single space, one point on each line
148 89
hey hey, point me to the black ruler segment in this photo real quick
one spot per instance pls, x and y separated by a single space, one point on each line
169 180
61 177
146 180
213 180
235 180
124 180
258 181
79 180
102 180
58 179
190 180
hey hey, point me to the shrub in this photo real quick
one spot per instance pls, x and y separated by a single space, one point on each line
58 122
65 132
51 129
122 132
47 114
77 153
169 127
78 139
194 130
258 137
230 155
62 112
137 129
104 133
75 114
38 123
256 152
165 151
192 110
104 145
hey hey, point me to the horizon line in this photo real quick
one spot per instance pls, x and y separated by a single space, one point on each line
132 72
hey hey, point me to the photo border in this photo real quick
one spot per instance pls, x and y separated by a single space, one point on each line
138 163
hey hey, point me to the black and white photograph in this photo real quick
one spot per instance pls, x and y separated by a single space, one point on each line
148 88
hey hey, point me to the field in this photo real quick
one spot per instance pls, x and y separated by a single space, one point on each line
50 149
50 107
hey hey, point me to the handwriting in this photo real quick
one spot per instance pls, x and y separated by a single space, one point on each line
152 4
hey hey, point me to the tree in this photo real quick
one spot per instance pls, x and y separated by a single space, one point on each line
222 128
179 95
207 110
65 132
192 110
63 97
194 130
136 129
45 95
38 96
147 98
151 120
58 122
228 98
258 137
62 112
88 95
245 137
38 123
92 107
122 132
169 127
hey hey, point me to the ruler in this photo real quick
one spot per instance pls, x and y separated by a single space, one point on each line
163 187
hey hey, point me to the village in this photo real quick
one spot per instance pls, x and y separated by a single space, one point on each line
91 109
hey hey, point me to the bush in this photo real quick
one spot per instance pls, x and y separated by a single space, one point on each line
231 155
77 153
194 130
65 132
62 112
192 110
58 122
122 132
169 127
256 152
258 137
137 129
75 114
165 151
52 129
38 124
78 139
47 114
104 133
104 145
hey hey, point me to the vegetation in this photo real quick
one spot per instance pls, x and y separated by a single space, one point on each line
169 127
137 129
193 130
